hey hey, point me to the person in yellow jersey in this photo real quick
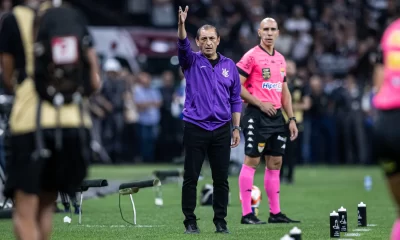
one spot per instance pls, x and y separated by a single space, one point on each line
32 182
301 102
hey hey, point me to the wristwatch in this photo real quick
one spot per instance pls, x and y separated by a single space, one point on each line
237 127
292 118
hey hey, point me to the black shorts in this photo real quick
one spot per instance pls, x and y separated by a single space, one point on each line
264 135
63 171
387 141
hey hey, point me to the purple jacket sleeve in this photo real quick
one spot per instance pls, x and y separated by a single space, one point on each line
185 54
236 88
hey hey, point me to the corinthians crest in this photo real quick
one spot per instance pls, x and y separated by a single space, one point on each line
266 73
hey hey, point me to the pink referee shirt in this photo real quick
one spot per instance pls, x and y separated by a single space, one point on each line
265 74
388 96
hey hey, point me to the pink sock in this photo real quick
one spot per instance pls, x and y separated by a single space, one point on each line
272 186
396 230
245 185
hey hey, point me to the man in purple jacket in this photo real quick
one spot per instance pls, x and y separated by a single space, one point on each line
212 103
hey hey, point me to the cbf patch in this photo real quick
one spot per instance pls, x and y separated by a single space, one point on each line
266 73
282 72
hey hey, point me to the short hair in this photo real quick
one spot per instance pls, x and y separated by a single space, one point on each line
206 27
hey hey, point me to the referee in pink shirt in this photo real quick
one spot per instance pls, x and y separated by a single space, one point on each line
387 104
263 76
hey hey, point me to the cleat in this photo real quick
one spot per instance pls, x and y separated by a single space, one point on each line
221 228
192 228
251 219
280 218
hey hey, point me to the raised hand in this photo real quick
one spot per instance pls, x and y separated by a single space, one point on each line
183 15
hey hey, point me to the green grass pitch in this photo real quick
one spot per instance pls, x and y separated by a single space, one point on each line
316 192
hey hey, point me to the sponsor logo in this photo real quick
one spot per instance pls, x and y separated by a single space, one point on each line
283 139
272 86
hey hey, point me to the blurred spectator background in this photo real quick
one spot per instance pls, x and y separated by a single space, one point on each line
330 44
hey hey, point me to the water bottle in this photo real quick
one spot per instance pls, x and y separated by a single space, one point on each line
334 225
368 183
362 214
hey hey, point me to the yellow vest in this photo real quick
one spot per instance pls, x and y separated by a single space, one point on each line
23 114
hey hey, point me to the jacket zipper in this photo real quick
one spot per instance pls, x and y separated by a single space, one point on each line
213 82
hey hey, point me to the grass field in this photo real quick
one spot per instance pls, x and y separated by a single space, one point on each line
316 192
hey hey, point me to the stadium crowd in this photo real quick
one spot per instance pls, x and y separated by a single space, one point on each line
331 46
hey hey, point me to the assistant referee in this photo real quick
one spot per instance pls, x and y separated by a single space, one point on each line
212 102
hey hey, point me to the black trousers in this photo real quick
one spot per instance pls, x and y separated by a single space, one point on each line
198 142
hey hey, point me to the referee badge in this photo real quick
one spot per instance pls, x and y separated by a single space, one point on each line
266 73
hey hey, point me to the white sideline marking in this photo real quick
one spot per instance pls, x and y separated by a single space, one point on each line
121 226
362 230
372 225
352 234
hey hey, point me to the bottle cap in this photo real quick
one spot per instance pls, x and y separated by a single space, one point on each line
342 209
334 214
286 237
361 204
295 230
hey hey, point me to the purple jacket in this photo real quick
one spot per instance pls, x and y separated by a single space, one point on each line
212 94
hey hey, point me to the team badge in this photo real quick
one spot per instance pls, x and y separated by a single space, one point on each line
261 147
225 72
266 73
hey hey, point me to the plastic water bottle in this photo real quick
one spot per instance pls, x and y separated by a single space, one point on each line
368 183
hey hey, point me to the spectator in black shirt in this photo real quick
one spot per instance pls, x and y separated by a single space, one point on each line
301 102
351 120
319 139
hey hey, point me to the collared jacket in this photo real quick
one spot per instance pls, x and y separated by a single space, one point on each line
212 93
